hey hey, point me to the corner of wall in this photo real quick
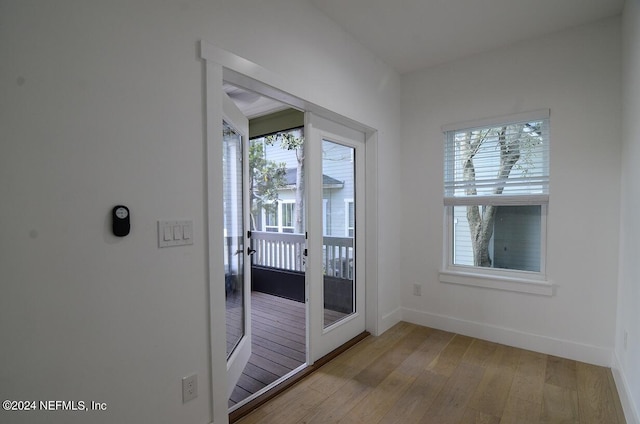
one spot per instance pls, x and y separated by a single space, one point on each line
630 412
389 320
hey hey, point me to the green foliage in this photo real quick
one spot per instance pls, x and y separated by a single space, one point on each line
267 177
288 140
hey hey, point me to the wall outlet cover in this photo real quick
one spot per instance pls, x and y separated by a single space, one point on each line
189 388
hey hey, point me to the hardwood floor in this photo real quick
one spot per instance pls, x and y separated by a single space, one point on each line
413 374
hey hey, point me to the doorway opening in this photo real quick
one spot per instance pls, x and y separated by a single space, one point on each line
323 335
278 157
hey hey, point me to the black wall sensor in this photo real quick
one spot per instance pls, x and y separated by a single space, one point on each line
121 222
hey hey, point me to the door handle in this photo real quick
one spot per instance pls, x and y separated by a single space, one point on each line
250 251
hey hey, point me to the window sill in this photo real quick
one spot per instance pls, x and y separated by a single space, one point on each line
498 282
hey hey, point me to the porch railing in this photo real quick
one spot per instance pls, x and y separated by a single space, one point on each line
278 250
285 251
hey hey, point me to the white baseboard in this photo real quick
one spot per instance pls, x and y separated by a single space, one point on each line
630 409
389 320
566 349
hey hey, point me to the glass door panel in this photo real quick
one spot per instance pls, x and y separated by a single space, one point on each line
233 236
338 250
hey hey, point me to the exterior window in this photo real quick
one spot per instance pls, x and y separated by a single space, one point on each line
279 217
496 194
271 218
350 218
287 214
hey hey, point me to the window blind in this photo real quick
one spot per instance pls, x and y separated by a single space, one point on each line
499 163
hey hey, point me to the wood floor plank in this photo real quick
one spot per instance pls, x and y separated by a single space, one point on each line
450 404
521 411
332 377
595 398
381 399
451 356
295 408
559 405
431 346
479 352
561 372
491 394
335 407
369 351
473 416
417 400
528 382
375 373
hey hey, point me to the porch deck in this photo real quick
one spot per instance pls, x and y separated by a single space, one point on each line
278 342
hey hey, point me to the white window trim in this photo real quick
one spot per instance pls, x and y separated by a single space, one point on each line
495 278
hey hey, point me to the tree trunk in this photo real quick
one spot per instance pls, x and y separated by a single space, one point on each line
481 225
481 228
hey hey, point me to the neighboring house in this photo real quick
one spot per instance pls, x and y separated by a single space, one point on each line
338 192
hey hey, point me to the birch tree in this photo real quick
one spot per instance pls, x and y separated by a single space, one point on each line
516 145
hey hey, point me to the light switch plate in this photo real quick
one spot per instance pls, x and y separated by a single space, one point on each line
175 233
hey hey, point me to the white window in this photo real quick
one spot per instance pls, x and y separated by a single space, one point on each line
325 217
349 218
496 192
279 217
287 221
270 217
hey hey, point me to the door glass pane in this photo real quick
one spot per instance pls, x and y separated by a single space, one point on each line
233 236
338 250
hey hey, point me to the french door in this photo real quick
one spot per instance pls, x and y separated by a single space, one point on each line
237 268
335 159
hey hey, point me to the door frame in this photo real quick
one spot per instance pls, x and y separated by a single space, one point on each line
221 65
322 340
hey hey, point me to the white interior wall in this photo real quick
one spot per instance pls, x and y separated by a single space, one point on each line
626 364
576 74
102 103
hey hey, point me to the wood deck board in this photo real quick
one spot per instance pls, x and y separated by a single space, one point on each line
278 343
278 340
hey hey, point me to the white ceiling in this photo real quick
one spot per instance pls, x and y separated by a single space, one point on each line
415 34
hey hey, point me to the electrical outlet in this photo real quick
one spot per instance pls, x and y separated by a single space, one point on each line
189 387
417 290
